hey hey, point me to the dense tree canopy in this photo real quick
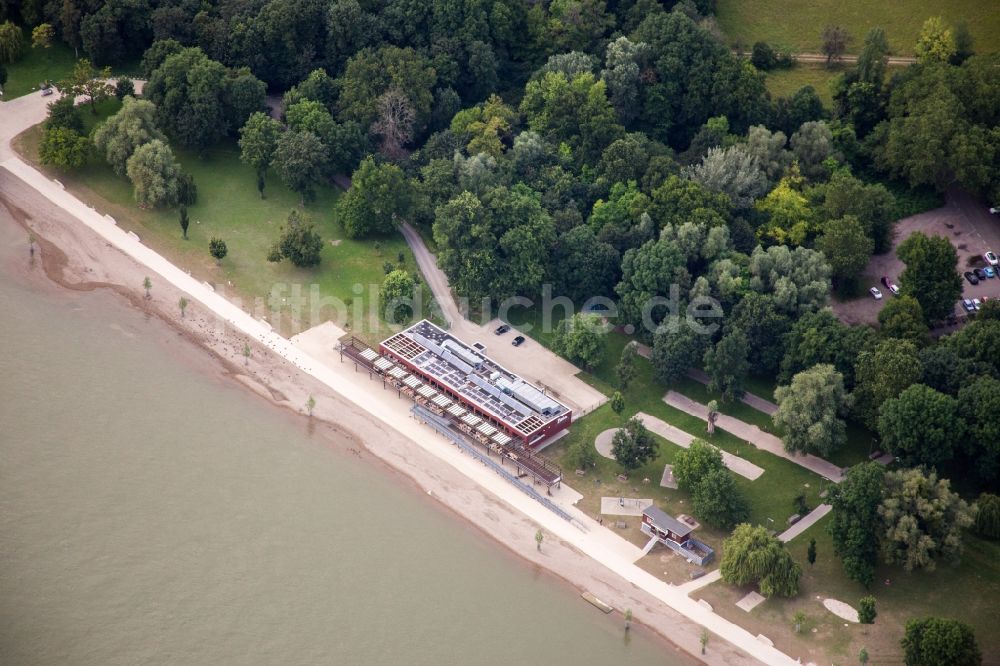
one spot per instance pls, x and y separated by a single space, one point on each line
921 426
580 339
930 641
854 527
931 274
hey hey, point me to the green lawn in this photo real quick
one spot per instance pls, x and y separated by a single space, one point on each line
786 82
228 207
967 592
771 496
795 25
37 65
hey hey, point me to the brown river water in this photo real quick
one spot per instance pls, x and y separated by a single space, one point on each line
154 512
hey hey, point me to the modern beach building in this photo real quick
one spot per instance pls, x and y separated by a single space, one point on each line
675 535
480 386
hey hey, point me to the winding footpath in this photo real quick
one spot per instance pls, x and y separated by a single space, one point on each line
585 535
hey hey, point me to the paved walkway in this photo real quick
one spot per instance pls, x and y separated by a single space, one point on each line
602 545
754 435
805 522
436 279
755 401
741 466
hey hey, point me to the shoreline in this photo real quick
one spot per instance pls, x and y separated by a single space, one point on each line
70 260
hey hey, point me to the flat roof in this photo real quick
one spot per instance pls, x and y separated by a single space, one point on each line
667 522
479 380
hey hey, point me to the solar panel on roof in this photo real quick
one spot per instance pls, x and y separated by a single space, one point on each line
397 372
486 429
383 364
442 401
457 411
412 382
427 392
471 420
369 354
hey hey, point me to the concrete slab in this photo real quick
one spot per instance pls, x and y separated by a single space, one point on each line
604 441
658 426
668 480
627 506
754 435
842 610
750 601
808 521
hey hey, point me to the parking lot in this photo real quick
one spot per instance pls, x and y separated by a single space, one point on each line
969 226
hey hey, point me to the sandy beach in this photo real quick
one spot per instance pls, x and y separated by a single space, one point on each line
74 257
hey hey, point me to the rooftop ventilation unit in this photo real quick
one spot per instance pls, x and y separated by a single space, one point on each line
463 353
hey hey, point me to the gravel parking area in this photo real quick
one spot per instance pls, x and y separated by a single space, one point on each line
970 227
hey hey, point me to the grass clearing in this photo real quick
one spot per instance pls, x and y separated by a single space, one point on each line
796 26
37 65
966 592
771 497
786 82
229 207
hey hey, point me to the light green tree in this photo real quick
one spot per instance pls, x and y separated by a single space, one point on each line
580 339
147 284
921 520
63 148
42 36
936 42
89 81
11 42
183 303
752 556
811 411
155 175
132 126
396 295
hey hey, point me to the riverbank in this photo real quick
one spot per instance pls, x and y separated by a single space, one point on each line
77 258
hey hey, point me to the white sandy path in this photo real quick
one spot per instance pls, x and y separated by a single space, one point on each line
754 435
601 545
741 466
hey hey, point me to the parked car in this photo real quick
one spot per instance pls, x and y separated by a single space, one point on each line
991 258
977 303
971 278
885 281
47 91
501 329
968 305
980 273
876 294
894 288
990 272
518 341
